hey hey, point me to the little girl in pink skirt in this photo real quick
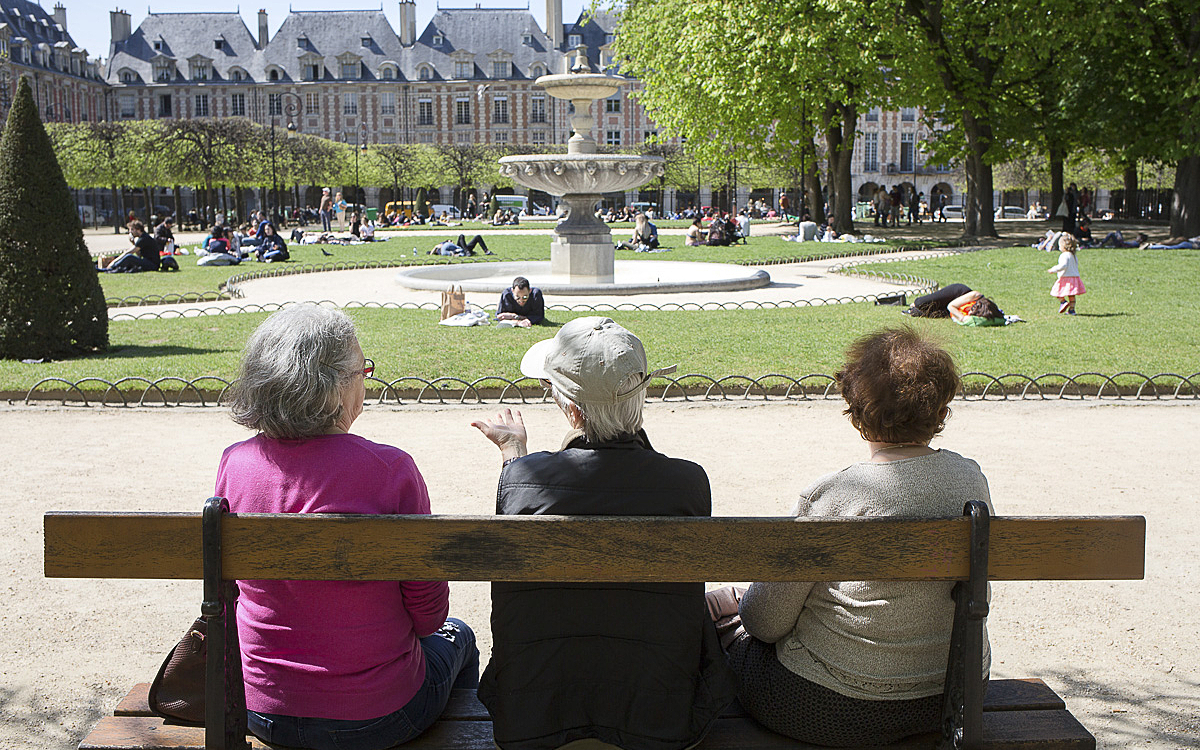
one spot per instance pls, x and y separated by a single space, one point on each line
1068 285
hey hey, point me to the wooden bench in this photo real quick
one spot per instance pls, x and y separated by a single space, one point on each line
220 547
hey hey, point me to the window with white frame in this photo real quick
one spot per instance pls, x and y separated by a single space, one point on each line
463 137
274 105
425 73
237 105
462 110
201 108
538 137
349 104
387 103
128 76
872 114
237 74
128 106
574 40
437 40
500 136
389 73
500 68
527 40
537 109
464 69
424 111
613 103
908 114
164 105
425 136
351 69
907 152
201 70
312 103
537 71
500 109
871 152
612 138
311 71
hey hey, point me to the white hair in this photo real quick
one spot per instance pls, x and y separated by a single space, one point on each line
604 422
293 371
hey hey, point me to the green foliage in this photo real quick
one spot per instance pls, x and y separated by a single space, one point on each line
51 304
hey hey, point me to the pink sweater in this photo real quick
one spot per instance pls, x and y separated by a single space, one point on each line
330 649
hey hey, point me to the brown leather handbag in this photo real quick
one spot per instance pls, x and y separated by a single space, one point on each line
177 692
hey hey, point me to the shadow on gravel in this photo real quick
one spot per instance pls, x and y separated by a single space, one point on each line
31 720
1129 717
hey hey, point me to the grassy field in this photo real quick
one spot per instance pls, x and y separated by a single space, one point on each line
1133 318
205 281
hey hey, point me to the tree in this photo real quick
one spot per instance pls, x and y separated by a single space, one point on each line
736 92
51 304
466 164
203 148
97 154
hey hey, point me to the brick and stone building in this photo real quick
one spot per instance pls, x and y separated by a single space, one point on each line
34 44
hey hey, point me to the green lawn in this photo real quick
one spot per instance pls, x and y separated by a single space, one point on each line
1132 319
205 282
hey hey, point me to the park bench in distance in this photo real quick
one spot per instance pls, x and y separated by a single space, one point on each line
221 547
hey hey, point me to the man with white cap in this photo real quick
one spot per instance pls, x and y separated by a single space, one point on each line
636 666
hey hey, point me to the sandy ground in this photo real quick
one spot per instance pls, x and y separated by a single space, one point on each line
1122 653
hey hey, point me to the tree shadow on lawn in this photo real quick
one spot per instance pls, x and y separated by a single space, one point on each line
137 351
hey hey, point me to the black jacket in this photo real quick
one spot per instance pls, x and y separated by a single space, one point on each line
634 665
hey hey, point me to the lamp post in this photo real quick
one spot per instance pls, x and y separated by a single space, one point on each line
289 106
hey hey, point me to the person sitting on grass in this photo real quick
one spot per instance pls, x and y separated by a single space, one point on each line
146 254
521 303
694 236
645 236
165 236
273 249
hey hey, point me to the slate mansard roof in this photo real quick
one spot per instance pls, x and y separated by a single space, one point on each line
332 37
27 23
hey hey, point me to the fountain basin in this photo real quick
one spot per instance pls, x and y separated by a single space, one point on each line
590 86
565 174
631 277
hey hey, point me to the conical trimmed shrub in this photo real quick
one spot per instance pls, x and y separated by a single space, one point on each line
51 303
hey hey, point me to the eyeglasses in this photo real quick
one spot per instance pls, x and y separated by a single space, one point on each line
368 368
519 298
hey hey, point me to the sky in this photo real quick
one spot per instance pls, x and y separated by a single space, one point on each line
88 24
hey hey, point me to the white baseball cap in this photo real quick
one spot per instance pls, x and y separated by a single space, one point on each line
589 360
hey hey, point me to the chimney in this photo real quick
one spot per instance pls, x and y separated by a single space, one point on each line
60 15
263 34
554 23
408 22
120 25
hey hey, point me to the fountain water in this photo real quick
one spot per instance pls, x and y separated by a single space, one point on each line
582 253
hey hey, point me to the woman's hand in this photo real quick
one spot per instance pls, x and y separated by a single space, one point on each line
507 431
506 316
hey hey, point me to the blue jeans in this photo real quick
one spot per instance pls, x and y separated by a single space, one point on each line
451 661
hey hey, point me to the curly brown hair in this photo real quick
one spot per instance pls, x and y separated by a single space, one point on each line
898 386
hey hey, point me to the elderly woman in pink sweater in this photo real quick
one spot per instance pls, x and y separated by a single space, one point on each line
332 664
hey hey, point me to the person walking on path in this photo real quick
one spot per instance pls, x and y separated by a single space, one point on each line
1068 285
784 205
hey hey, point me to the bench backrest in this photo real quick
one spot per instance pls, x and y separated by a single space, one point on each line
594 548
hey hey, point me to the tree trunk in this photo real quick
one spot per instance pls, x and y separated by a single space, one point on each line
149 198
840 123
971 207
1130 202
239 204
812 182
177 194
979 219
1185 204
1057 156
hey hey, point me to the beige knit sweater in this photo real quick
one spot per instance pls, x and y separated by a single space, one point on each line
874 640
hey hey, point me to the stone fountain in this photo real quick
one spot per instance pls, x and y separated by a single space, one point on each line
582 253
582 248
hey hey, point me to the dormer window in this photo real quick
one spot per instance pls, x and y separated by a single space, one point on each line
425 73
162 71
274 75
128 76
608 38
500 68
201 70
527 39
574 40
237 74
388 73
302 42
464 69
366 41
310 71
351 69
218 44
437 40
158 45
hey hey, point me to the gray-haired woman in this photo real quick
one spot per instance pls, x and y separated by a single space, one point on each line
359 665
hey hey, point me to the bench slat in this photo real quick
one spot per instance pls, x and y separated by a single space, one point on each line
1002 695
1005 730
596 548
